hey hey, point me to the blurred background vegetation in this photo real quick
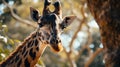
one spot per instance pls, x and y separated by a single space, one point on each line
81 40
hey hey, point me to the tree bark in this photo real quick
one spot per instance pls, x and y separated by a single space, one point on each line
107 16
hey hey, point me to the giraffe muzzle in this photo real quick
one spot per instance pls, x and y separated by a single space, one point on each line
55 43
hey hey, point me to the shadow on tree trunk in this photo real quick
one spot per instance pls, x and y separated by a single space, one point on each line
107 15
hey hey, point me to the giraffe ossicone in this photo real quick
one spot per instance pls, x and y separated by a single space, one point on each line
50 25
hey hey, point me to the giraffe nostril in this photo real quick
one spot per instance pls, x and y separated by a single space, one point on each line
59 41
54 41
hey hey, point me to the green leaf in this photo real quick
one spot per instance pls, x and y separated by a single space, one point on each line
5 28
40 62
1 50
0 25
11 42
17 41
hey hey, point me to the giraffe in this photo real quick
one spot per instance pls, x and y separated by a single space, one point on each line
50 26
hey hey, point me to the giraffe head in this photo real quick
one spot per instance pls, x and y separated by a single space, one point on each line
52 23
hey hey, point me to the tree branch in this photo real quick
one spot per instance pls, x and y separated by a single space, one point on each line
16 17
80 24
99 50
86 45
71 61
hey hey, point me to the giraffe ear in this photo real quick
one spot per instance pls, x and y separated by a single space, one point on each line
67 21
34 14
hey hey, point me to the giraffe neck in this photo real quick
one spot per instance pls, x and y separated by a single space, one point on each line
28 53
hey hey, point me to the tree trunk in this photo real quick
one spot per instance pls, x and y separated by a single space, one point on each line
107 16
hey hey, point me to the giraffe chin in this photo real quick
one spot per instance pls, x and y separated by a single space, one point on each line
56 48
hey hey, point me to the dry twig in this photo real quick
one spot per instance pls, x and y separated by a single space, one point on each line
16 17
72 62
99 50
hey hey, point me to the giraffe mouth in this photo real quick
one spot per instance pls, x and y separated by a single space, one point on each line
56 44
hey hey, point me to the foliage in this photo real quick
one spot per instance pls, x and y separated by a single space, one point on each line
6 44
